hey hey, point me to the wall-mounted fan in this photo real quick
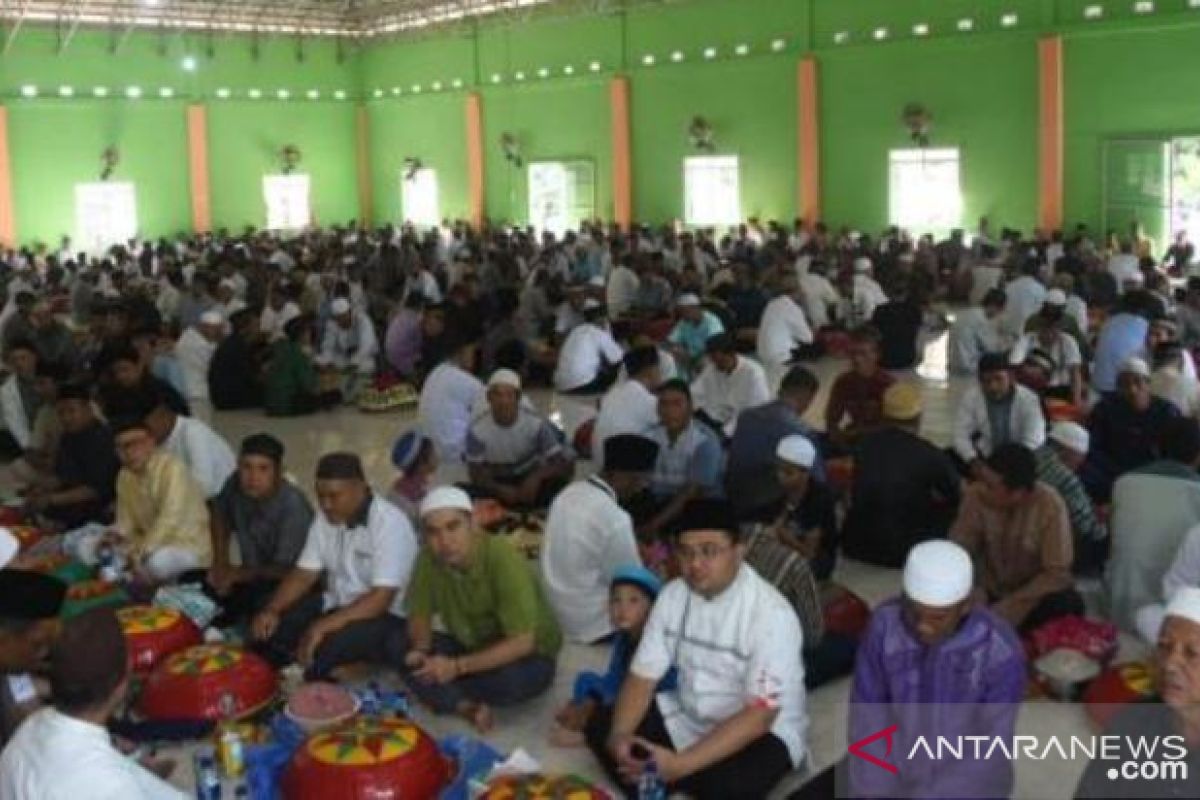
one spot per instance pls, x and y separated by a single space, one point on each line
511 149
700 134
919 122
108 162
411 167
289 158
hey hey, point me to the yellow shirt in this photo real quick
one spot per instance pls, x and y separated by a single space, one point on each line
163 506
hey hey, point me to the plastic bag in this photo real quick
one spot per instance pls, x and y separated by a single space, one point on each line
188 599
475 759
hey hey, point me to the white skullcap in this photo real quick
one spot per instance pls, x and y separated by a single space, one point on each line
9 547
1135 366
1056 297
1185 603
597 281
1135 278
1071 435
938 574
797 450
854 236
212 318
592 304
446 497
226 283
505 377
862 264
687 300
340 306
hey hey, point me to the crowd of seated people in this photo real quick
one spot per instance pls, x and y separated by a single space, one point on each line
695 514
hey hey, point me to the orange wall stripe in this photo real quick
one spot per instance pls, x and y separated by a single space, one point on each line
808 126
474 111
8 223
1050 133
362 157
197 129
622 161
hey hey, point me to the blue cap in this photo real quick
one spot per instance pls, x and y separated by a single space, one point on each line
639 576
406 449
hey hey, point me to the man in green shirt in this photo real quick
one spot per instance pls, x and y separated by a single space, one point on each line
502 638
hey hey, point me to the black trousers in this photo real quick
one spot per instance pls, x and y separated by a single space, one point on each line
746 775
243 601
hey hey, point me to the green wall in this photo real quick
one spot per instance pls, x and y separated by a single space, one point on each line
433 130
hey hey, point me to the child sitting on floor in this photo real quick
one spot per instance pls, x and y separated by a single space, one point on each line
631 596
416 460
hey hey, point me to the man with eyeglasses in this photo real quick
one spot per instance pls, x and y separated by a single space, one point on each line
736 723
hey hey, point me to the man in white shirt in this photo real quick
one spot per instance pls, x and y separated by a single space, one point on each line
818 293
736 722
65 752
867 295
622 288
349 346
202 450
976 332
783 328
996 410
588 536
364 548
631 406
281 309
1025 297
194 352
450 399
588 359
729 384
1124 267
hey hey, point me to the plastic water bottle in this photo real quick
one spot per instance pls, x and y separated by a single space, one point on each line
208 780
650 785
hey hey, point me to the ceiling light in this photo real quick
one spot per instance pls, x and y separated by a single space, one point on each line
339 95
456 83
520 76
66 91
920 29
29 90
496 77
966 24
436 86
1093 12
1143 7
188 63
778 45
283 94
594 66
254 94
378 93
841 37
880 34
416 88
742 49
543 72
396 90
648 60
133 92
313 94
710 53
568 70
100 91
677 56
166 93
223 94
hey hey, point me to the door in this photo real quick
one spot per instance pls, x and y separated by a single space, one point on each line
105 214
1137 188
562 194
287 200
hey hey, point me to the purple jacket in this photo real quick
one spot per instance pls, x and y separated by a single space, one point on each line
402 342
971 684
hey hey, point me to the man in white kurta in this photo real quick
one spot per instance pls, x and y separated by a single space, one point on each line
630 406
729 384
783 328
589 536
194 351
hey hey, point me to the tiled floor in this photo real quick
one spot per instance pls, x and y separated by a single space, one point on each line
371 436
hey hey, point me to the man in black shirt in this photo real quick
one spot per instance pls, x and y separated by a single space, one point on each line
235 372
899 322
128 379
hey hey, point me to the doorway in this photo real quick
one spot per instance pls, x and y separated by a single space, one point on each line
287 200
1152 183
562 194
105 214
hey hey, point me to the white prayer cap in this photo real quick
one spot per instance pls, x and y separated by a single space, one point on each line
1185 603
591 304
938 573
505 377
862 264
340 306
797 450
1134 279
1056 297
1135 366
687 300
226 283
597 281
854 236
212 318
1071 435
9 547
446 497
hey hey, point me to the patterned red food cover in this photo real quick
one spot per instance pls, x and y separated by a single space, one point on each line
152 633
542 787
367 758
1115 688
189 685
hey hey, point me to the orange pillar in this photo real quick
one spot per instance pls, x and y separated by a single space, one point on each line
622 160
808 160
8 224
362 157
197 128
1050 133
475 159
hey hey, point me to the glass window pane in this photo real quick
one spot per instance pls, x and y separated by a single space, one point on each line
419 198
711 191
923 190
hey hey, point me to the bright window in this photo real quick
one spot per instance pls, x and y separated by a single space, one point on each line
711 191
105 214
562 194
923 190
287 199
419 198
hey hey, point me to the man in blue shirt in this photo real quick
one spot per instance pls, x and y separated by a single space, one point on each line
691 333
1121 338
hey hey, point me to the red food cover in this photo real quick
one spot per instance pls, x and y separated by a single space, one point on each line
189 685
